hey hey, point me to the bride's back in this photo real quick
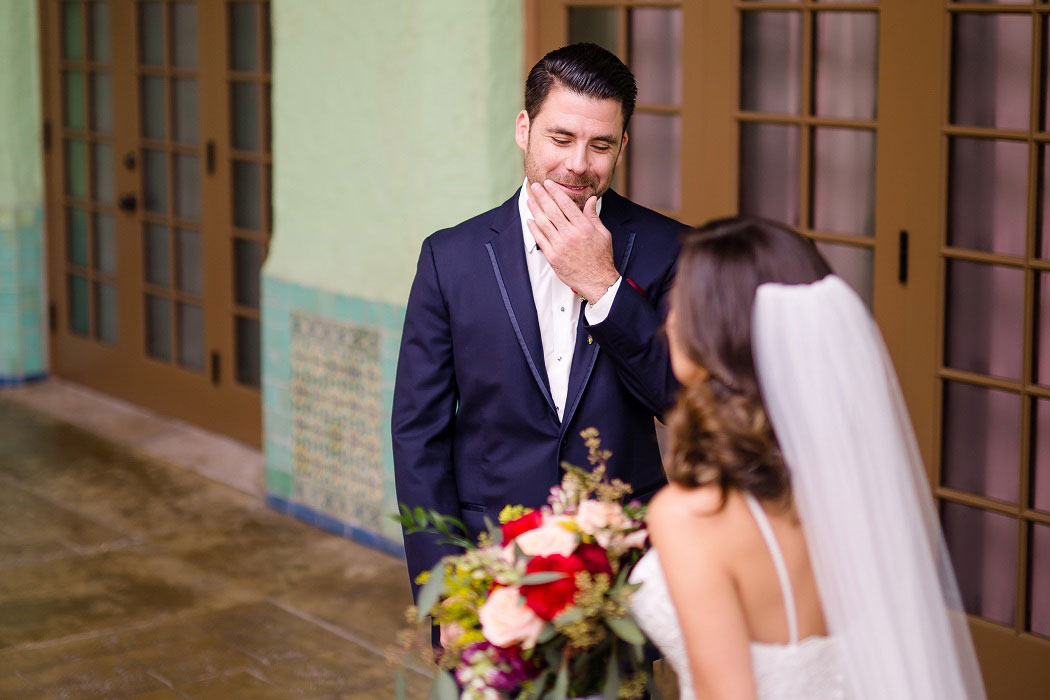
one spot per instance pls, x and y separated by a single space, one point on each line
728 536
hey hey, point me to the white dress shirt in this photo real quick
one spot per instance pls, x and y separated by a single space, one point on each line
557 309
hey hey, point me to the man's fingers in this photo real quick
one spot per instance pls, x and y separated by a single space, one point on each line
549 206
565 204
541 238
540 215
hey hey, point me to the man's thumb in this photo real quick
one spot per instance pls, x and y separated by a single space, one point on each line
590 207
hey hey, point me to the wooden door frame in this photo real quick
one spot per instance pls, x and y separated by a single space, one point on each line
125 370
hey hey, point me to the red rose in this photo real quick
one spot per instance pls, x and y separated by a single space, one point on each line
549 599
595 559
527 522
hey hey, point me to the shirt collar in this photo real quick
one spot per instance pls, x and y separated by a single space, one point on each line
525 214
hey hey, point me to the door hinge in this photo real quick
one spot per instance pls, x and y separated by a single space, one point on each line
215 368
46 135
52 317
902 258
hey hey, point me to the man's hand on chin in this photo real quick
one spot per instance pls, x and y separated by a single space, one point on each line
576 243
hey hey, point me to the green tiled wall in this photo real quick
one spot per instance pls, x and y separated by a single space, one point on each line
23 350
358 518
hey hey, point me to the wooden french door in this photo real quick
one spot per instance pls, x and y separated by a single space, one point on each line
158 173
911 140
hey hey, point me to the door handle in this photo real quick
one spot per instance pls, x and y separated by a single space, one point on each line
128 203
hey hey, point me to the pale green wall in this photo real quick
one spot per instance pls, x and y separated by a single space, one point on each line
392 118
21 179
23 339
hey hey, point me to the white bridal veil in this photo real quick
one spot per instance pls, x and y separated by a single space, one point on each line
881 566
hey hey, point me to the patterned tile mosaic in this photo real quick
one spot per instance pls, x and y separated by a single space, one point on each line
337 460
328 376
23 346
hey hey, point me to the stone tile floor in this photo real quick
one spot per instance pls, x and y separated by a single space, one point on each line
123 576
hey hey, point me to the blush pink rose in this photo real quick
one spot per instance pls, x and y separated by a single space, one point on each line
550 538
600 520
507 620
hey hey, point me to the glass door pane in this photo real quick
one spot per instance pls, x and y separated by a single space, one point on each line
992 457
89 172
169 121
249 90
807 153
649 41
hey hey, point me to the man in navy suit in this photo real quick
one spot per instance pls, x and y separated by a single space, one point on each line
538 319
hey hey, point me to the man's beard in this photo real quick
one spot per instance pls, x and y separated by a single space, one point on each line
534 174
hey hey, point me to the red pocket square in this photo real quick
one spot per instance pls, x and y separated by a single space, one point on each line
637 288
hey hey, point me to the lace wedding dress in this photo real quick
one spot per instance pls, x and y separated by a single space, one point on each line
799 670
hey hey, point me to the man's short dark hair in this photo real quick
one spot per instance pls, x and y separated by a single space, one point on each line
587 69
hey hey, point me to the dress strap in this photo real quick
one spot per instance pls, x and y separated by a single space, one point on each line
778 563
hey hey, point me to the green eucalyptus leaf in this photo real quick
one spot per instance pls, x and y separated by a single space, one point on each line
561 684
626 629
444 687
399 684
546 634
420 516
494 530
611 689
568 617
431 591
541 577
457 523
638 652
538 684
457 541
439 522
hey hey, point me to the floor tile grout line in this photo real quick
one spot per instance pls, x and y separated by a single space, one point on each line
344 634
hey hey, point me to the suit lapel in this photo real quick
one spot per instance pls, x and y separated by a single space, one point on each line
615 215
507 254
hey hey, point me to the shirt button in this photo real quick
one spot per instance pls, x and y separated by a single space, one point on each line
563 309
559 359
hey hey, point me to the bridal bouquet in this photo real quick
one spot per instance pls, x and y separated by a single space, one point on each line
538 606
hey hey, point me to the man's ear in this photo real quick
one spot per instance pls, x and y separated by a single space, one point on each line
623 146
521 130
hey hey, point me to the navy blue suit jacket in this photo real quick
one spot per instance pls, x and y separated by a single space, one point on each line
474 425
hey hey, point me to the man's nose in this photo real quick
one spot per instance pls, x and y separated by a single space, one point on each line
578 160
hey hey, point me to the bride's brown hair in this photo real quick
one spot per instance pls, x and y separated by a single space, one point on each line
719 430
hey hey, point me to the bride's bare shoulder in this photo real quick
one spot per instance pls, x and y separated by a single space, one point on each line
677 505
692 524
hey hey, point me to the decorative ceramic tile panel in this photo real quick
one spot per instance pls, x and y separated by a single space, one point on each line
337 419
23 351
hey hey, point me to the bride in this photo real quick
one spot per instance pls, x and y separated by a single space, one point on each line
796 551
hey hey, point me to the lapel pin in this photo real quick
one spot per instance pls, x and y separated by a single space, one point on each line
590 339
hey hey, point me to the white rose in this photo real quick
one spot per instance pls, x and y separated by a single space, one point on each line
506 620
547 539
595 516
